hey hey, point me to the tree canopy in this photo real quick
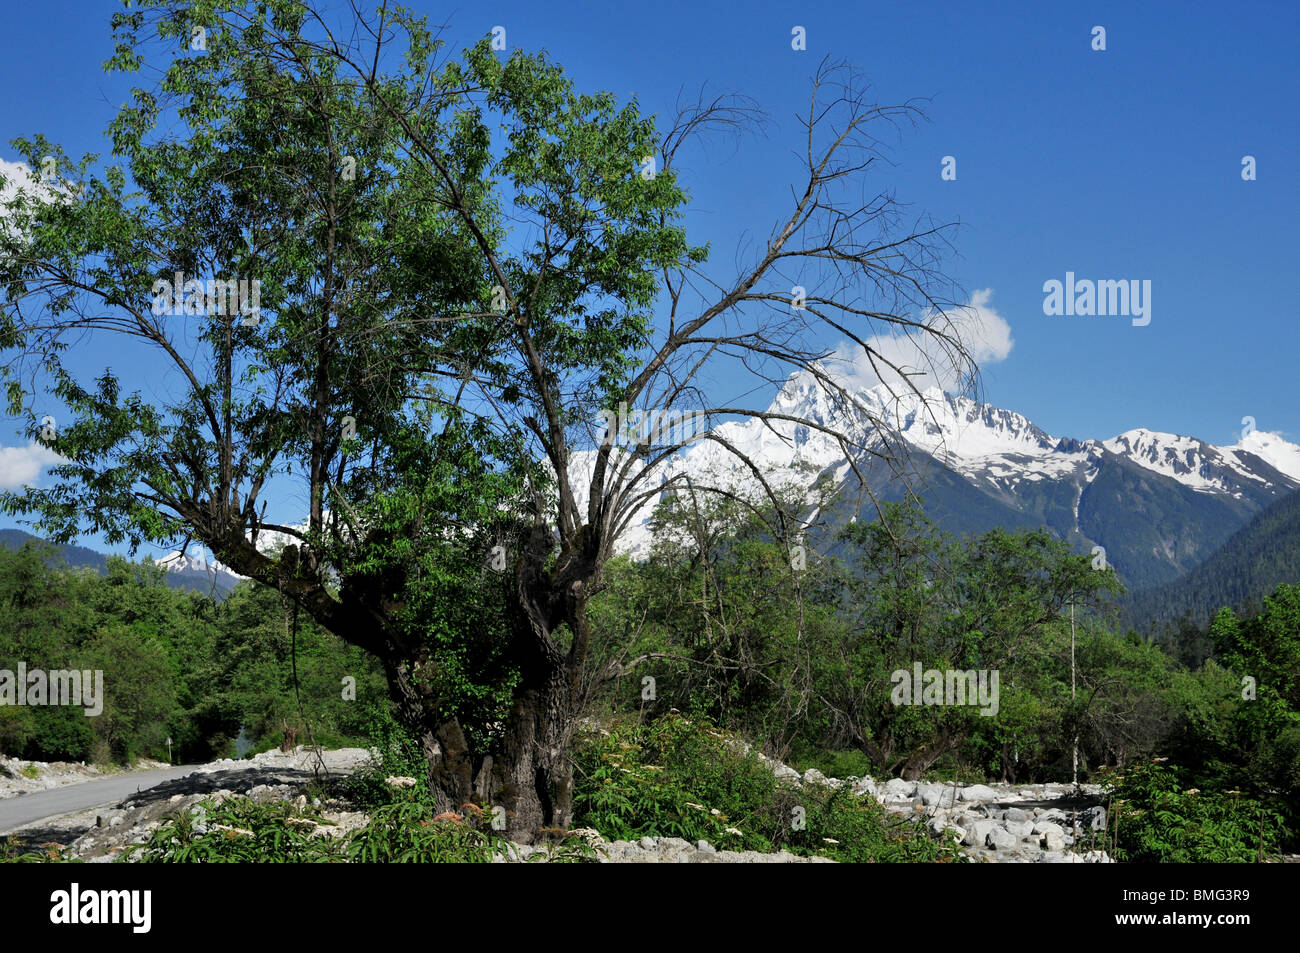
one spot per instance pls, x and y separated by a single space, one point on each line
405 292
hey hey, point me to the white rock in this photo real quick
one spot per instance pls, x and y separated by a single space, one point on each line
785 771
978 832
896 789
932 794
1020 828
864 787
999 839
978 792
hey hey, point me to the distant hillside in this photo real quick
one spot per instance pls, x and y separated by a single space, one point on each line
76 557
1248 566
79 557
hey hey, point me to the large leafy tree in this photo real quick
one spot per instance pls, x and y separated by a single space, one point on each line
464 267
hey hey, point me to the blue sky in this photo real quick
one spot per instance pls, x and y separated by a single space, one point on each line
1122 164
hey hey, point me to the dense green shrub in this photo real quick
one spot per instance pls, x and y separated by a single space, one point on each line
238 830
396 754
680 777
1156 819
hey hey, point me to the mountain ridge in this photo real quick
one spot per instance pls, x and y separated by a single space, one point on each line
1158 503
190 573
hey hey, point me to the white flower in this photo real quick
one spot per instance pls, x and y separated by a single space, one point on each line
400 782
234 831
732 830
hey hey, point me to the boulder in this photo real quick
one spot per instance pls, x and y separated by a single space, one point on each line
1020 828
864 787
784 771
896 789
930 794
978 832
1093 819
978 792
1053 839
1000 839
945 828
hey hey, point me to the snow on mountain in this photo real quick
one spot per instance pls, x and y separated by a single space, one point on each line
983 442
195 561
1205 467
978 440
991 447
959 429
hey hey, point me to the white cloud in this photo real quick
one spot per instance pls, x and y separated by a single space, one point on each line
14 173
23 466
981 330
19 177
19 180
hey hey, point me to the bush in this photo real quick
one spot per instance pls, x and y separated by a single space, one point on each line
11 852
679 777
397 754
1157 821
238 830
834 764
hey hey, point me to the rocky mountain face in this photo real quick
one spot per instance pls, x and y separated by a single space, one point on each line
1158 503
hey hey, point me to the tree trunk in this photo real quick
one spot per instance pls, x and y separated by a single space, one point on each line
444 746
532 773
529 772
920 760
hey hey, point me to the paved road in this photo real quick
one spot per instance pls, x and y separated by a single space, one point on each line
19 811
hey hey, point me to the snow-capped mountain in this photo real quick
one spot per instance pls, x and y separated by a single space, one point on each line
199 571
1159 503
